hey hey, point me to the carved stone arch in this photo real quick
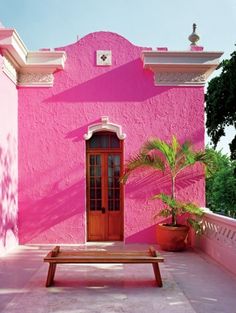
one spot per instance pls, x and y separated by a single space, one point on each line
107 126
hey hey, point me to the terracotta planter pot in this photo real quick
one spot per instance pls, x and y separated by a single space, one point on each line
172 238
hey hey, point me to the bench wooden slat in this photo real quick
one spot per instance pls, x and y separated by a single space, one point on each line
94 261
105 257
56 256
104 260
91 252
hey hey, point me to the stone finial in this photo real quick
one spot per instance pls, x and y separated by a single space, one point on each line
193 38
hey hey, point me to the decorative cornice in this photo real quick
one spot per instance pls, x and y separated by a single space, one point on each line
35 79
188 68
188 78
40 63
105 125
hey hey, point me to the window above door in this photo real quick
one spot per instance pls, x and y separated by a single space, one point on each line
104 140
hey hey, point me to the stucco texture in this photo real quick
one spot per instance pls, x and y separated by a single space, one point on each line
52 122
8 163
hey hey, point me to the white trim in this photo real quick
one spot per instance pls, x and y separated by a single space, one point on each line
220 218
38 63
180 68
105 125
9 70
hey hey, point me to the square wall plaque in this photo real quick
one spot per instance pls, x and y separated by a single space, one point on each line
104 57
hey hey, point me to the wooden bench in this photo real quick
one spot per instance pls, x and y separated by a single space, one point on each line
57 256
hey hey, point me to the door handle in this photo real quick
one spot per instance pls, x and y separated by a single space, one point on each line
103 210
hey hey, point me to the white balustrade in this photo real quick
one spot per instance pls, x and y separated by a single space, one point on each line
219 239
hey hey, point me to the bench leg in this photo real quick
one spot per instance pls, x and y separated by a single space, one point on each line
51 274
157 274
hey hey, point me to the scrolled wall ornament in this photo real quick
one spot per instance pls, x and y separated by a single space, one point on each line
32 79
182 78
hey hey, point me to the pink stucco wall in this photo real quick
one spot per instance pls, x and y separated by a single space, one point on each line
52 122
8 162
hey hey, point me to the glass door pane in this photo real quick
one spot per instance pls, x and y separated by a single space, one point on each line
113 182
95 182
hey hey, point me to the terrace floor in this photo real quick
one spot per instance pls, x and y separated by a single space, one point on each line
192 283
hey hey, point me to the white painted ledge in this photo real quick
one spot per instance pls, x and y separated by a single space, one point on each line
27 68
180 68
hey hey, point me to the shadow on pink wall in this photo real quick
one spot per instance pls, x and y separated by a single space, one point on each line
153 183
8 194
146 235
129 82
78 133
144 188
38 216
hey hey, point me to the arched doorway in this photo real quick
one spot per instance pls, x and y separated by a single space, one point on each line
104 157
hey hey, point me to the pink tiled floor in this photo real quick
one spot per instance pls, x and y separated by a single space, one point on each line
192 283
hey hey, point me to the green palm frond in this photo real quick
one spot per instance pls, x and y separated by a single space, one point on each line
175 145
164 213
160 146
192 209
178 207
142 160
186 156
172 203
193 157
196 225
208 160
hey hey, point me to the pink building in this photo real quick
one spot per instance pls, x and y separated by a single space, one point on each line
70 117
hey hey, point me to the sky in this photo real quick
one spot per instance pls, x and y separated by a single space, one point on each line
147 23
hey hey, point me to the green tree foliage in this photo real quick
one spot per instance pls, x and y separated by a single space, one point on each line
221 185
221 103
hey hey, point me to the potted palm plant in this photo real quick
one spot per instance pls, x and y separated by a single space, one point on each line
170 158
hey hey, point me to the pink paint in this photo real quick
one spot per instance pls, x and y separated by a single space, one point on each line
52 122
45 49
162 49
196 48
8 163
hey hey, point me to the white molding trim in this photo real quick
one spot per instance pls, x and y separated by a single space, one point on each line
24 62
9 70
105 125
183 68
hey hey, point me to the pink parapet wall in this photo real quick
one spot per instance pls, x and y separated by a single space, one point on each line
53 121
8 163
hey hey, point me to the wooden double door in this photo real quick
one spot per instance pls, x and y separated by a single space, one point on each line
104 191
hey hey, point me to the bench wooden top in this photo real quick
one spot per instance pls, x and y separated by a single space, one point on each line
103 256
57 256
